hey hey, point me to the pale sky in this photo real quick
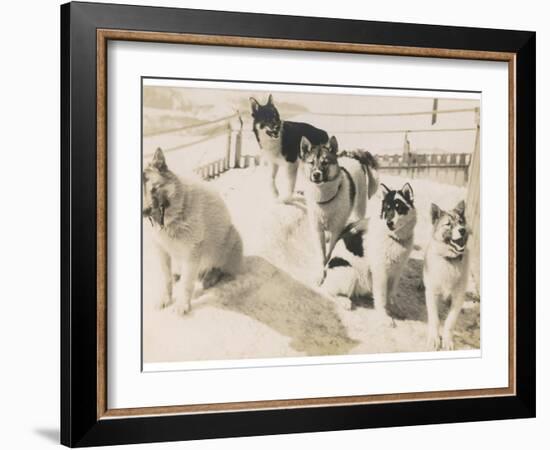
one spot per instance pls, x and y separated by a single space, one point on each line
351 131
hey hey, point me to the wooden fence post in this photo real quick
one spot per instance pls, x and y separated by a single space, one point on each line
472 207
406 149
235 142
229 145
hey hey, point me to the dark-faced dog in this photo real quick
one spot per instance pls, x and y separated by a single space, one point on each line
280 142
371 254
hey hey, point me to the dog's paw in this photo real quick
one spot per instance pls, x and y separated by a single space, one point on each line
285 200
447 341
165 301
433 341
383 319
274 193
182 308
344 302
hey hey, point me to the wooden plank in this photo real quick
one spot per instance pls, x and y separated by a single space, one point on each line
473 211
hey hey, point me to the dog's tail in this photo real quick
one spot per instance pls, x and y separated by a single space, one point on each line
370 166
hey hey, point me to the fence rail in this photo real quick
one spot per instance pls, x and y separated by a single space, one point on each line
445 167
193 127
451 168
397 114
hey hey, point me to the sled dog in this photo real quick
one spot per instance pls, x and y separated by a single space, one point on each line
192 232
279 141
336 191
445 272
371 254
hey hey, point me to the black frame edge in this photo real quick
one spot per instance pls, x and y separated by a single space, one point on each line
78 219
65 416
525 223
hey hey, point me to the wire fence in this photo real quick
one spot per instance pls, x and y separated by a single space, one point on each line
240 150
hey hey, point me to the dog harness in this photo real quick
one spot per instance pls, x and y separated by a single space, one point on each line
329 194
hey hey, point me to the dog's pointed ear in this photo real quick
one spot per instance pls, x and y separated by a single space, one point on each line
333 144
270 100
305 147
385 191
159 162
435 212
460 208
254 104
407 192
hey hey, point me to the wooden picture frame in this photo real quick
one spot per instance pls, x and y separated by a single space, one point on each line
85 417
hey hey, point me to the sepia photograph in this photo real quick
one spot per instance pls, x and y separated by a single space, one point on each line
291 221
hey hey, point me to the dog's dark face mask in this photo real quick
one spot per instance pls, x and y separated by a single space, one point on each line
155 201
450 228
266 118
397 206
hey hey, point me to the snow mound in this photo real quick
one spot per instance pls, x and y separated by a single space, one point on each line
273 308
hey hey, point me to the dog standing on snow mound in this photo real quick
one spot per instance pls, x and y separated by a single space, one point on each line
336 190
279 141
192 232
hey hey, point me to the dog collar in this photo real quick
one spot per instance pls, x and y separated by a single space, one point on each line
402 242
324 202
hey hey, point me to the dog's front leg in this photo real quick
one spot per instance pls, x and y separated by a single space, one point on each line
189 274
331 244
321 252
273 184
291 172
447 334
166 278
380 294
433 341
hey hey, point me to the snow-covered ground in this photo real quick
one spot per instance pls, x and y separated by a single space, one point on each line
274 309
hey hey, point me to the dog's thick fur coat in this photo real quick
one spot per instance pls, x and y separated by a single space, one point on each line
336 191
371 254
192 231
445 272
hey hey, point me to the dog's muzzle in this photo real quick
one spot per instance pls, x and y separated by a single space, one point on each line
148 213
458 245
317 176
273 132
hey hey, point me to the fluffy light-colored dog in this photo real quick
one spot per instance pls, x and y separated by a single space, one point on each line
445 272
372 253
192 231
336 191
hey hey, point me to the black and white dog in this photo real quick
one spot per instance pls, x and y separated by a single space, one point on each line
372 253
280 142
